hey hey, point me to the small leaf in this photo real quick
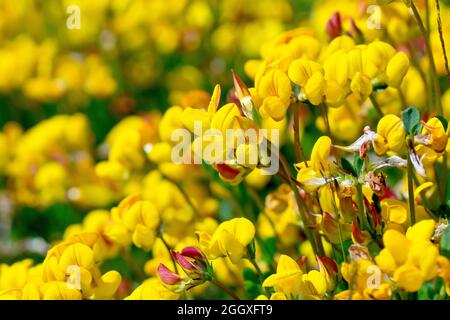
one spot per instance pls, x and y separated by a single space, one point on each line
443 121
348 167
358 164
410 118
445 243
417 128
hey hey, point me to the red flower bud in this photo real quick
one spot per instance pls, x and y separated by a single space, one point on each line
192 252
167 276
334 25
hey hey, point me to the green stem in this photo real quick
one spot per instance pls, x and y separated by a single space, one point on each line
441 38
412 209
318 250
170 252
445 174
376 105
433 73
299 152
323 109
221 286
361 209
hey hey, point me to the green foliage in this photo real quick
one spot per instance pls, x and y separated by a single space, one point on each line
411 118
445 243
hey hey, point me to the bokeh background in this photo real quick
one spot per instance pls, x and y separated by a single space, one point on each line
62 91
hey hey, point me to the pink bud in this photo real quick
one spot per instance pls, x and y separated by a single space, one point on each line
192 252
167 276
182 261
334 25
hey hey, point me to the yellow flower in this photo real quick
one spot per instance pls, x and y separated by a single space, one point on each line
274 89
390 135
396 69
152 289
435 136
288 279
74 262
309 76
230 239
134 220
359 274
410 259
96 221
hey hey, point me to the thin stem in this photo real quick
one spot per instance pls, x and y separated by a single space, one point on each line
402 98
170 252
257 268
360 199
318 250
412 209
445 174
435 85
441 37
260 274
221 286
323 109
341 243
299 152
376 105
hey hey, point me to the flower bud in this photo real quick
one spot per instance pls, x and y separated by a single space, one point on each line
334 26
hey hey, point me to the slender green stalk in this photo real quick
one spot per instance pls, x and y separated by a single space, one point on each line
376 105
441 38
412 209
299 152
170 252
445 174
318 249
341 243
436 91
260 274
224 288
324 111
361 209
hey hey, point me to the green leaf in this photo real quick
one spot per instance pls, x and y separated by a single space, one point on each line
445 243
443 121
348 167
410 118
417 128
430 290
358 164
